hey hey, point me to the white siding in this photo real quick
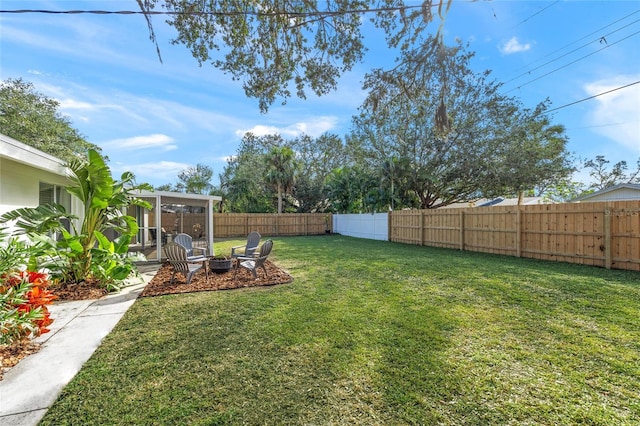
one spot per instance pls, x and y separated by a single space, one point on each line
621 194
20 184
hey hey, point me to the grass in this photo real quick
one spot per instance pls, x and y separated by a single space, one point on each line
374 333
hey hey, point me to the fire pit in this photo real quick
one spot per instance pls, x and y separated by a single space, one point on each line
220 264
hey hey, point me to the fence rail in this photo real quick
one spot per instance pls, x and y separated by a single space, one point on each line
600 234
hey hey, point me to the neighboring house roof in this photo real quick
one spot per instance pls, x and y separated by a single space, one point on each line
25 154
620 192
499 201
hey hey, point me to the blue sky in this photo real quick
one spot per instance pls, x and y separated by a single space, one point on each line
156 119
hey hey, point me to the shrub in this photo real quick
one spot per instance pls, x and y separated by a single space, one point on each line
24 297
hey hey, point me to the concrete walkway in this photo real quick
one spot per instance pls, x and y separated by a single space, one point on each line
31 387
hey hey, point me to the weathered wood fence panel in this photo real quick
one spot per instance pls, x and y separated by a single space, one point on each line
600 234
240 224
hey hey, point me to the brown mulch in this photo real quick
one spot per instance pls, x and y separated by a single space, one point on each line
82 291
160 284
11 355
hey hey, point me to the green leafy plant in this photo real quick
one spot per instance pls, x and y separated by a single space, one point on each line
85 254
24 295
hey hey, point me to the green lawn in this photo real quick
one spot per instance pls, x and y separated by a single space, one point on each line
375 333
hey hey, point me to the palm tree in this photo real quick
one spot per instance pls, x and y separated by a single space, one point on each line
281 171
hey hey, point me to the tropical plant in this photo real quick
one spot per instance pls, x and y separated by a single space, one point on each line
86 254
281 171
23 295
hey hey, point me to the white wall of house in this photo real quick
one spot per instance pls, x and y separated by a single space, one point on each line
20 184
22 171
372 226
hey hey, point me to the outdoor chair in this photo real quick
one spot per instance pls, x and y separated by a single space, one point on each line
186 241
154 235
187 266
249 249
253 263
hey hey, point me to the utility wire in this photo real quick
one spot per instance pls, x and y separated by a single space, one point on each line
591 97
580 39
572 62
570 52
538 13
327 13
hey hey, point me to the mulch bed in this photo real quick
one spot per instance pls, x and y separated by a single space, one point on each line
160 284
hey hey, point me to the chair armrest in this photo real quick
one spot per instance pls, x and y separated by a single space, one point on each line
196 259
202 250
234 248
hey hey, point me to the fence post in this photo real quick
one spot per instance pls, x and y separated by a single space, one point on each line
421 227
518 232
462 230
607 237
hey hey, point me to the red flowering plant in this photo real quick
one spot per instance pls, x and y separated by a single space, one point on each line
24 297
24 294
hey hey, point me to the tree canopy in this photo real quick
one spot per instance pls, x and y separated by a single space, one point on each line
605 176
459 137
32 118
278 46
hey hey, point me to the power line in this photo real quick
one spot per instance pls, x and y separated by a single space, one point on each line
599 39
580 39
537 13
592 97
572 62
316 14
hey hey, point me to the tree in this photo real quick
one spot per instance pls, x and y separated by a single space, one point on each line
281 171
317 158
34 119
195 180
605 177
241 181
273 45
165 187
349 190
452 129
533 155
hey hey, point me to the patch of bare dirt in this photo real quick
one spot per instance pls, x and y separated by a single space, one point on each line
160 284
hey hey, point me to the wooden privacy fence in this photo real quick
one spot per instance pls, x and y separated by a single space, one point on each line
240 224
600 234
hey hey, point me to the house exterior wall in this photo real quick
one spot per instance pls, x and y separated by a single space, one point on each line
20 184
22 169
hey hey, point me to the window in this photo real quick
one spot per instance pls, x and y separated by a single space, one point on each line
50 193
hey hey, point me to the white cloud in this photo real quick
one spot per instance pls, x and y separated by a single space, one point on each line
513 46
314 128
616 115
161 170
156 141
73 104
